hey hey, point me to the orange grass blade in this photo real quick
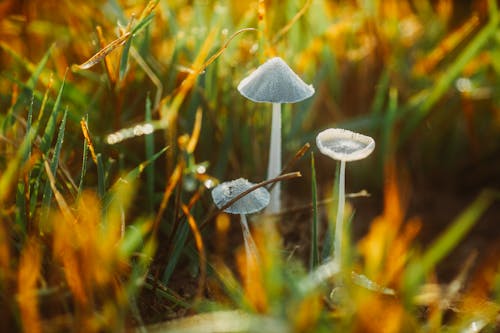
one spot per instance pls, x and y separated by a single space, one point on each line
105 50
190 80
172 183
149 9
86 134
385 233
201 249
449 43
195 135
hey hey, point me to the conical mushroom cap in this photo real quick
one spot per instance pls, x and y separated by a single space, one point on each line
275 82
344 145
250 203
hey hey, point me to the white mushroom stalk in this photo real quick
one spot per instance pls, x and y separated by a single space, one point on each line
275 82
274 164
253 202
344 146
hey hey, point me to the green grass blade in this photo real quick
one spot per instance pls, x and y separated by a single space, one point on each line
30 83
126 48
47 192
314 261
133 239
124 58
387 132
178 248
21 212
328 241
51 124
381 93
39 68
143 24
136 172
150 169
8 176
448 240
129 178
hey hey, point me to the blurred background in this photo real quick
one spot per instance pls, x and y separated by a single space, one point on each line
421 77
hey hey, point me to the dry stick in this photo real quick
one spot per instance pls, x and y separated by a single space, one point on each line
286 176
290 163
362 193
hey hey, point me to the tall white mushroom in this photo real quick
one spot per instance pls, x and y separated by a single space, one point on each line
275 82
251 203
344 146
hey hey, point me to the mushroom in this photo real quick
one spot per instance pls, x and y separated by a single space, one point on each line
275 82
344 146
250 203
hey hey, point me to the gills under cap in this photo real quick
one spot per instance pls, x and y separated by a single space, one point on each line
344 145
275 82
250 203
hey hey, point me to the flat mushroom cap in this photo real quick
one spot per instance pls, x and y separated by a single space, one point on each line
275 82
250 203
344 145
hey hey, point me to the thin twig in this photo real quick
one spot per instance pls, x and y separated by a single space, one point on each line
362 193
298 155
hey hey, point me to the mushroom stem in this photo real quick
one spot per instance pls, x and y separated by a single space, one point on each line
337 245
250 247
274 166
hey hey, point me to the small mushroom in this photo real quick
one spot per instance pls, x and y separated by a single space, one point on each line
250 203
344 146
275 82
